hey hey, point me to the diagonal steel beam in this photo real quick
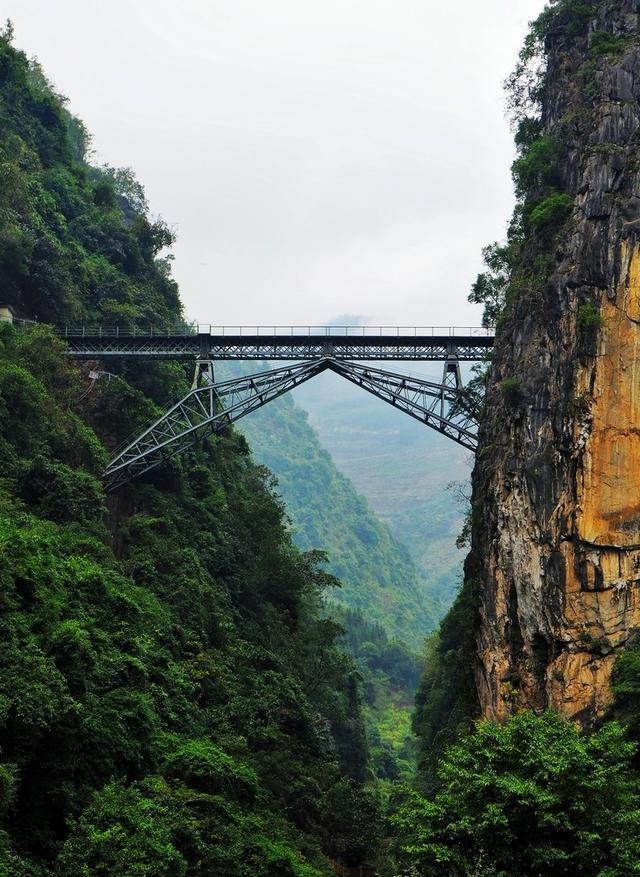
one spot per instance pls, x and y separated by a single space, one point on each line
208 408
436 405
212 406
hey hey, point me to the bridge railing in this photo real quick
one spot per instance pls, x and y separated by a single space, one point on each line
187 329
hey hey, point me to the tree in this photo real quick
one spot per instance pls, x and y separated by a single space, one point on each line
529 798
490 287
8 31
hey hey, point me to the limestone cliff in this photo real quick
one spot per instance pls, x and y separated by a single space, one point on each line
556 550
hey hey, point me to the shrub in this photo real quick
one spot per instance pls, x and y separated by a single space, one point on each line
122 833
603 43
549 214
204 766
60 493
510 389
589 316
537 165
530 797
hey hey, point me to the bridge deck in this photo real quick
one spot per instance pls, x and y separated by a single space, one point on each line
293 344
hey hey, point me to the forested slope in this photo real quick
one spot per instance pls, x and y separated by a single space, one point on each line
379 578
172 700
404 469
383 602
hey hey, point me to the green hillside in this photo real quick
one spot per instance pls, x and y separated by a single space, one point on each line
173 700
378 576
401 467
387 607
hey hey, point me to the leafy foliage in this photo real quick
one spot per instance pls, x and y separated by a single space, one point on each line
490 287
603 43
589 316
537 164
530 797
127 668
510 389
550 213
447 699
173 699
75 241
390 675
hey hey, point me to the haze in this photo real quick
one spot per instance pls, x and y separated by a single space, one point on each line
331 160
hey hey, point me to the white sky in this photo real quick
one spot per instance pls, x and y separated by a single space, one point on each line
316 157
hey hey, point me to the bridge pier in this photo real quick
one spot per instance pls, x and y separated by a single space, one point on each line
203 373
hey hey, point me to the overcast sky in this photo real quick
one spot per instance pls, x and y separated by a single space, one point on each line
316 157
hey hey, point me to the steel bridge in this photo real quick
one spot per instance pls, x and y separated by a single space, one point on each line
210 406
433 344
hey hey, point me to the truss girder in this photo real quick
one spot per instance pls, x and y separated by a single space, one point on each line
210 407
428 402
464 348
204 409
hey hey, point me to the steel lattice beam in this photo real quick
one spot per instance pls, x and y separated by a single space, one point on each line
213 406
207 408
430 403
428 348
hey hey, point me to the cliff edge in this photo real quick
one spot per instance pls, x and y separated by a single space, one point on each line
556 545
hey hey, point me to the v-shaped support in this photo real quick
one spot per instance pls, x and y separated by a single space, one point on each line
209 407
440 406
212 406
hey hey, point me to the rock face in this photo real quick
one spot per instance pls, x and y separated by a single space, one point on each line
556 551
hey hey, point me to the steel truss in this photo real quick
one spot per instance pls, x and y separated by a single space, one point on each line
206 408
429 348
444 407
209 407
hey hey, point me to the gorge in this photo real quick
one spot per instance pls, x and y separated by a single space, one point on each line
207 673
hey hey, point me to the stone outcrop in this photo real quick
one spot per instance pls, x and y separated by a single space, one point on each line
557 481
